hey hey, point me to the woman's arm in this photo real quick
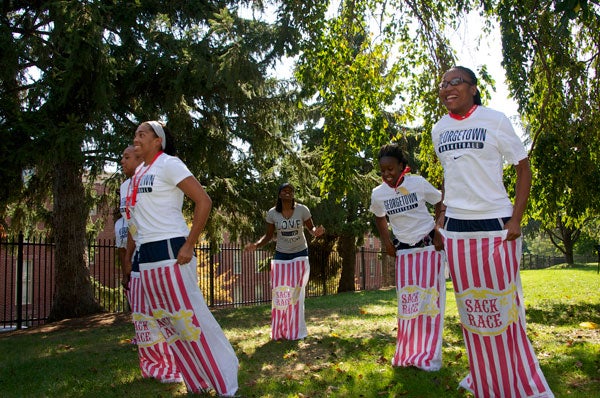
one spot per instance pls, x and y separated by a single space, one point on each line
440 211
126 261
384 235
522 189
314 231
202 206
266 238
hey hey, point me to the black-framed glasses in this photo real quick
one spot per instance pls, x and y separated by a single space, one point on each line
453 82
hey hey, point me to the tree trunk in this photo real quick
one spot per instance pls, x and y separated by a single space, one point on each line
73 295
347 250
569 247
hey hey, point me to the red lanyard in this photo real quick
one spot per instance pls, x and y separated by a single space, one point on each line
131 197
460 117
401 177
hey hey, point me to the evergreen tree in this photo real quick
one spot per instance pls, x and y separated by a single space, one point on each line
78 77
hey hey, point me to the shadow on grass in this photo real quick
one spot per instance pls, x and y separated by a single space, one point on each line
322 307
563 314
348 353
325 365
246 317
70 362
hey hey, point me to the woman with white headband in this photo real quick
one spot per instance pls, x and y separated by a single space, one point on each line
167 262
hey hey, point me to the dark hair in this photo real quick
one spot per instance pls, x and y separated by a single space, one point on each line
170 144
394 151
473 78
279 205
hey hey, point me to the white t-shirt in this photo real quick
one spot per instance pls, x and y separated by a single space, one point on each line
121 233
472 152
157 212
123 197
406 207
289 231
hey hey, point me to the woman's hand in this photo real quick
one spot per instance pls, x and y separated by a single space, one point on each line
250 247
318 231
438 242
390 249
185 254
513 228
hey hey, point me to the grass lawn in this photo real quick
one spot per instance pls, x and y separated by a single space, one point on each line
347 353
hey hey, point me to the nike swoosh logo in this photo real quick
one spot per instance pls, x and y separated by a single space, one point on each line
456 157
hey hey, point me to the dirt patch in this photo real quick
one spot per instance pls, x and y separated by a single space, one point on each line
83 323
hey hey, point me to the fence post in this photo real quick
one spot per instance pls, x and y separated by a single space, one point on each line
20 282
211 276
598 248
362 265
323 263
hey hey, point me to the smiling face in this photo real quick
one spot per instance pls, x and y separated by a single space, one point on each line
457 99
146 143
391 168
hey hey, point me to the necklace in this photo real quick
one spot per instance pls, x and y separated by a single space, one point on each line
131 197
461 117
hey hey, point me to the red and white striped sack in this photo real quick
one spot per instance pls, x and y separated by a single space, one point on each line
156 359
484 267
203 354
288 284
421 291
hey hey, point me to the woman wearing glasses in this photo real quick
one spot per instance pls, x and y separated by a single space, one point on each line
481 228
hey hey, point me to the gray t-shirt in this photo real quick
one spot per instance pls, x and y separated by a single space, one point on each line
289 231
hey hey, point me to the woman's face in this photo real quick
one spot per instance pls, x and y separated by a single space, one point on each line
129 161
146 142
391 169
287 193
458 98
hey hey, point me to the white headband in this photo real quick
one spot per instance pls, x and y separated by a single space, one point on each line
159 132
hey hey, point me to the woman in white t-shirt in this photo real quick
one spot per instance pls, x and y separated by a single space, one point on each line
167 261
472 143
155 356
401 199
482 229
287 221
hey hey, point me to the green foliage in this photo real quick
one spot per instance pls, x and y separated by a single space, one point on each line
550 57
587 246
77 77
112 299
346 75
540 245
369 74
104 67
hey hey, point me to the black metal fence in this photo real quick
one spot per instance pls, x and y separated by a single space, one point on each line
536 261
229 277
